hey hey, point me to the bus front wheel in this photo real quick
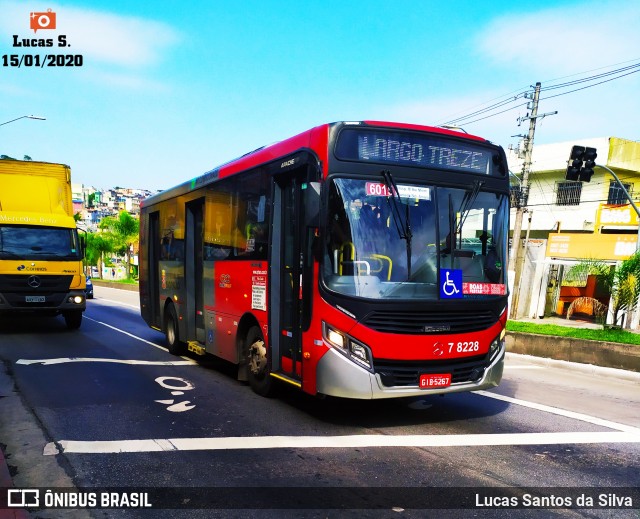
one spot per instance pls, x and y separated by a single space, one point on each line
174 344
259 374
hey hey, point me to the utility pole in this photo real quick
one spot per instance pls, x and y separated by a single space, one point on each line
516 249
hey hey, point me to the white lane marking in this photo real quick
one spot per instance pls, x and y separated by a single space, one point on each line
184 385
562 412
337 442
132 336
187 360
118 303
63 360
180 407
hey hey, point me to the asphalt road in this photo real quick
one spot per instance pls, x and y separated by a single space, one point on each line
108 407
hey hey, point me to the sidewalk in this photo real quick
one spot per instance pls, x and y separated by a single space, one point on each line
595 355
5 483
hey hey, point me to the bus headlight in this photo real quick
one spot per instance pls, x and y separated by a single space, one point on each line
348 346
335 338
76 299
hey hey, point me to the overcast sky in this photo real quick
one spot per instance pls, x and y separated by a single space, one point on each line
167 91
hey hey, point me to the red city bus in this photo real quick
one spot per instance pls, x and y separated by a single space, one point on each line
357 259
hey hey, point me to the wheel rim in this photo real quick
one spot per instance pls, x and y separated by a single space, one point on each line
171 331
257 358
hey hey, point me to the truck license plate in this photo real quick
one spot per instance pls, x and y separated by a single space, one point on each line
430 380
35 299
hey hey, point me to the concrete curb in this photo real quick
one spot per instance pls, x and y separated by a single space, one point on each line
620 356
589 369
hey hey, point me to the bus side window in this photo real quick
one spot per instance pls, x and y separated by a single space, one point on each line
167 243
255 233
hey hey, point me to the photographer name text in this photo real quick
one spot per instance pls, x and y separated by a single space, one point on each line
38 60
601 500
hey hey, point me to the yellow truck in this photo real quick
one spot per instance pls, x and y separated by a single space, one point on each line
40 250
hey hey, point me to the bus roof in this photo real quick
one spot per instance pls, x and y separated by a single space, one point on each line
315 138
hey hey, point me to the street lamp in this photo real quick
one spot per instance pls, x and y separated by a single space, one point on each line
25 117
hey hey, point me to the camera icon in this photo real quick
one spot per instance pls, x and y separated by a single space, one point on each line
23 498
43 20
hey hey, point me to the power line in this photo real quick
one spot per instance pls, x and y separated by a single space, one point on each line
591 70
458 121
491 110
492 107
589 86
591 78
509 95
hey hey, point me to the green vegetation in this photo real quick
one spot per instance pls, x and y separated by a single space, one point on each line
622 281
116 235
614 335
125 281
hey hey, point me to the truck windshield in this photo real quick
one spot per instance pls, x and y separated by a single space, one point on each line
388 240
35 242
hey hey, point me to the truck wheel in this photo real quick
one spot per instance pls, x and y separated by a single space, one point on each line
259 373
73 319
174 344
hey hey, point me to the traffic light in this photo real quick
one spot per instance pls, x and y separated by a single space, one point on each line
589 157
574 165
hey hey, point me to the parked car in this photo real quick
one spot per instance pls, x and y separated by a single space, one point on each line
89 289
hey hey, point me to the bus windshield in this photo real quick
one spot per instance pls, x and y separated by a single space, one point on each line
36 242
388 240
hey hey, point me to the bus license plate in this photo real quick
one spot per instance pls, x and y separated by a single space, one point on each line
431 380
34 299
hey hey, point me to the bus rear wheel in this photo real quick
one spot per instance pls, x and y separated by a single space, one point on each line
174 344
258 364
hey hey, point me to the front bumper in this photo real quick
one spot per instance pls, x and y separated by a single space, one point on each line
338 376
53 303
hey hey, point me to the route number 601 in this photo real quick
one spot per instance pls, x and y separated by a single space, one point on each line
464 346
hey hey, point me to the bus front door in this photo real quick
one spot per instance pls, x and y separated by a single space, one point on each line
286 275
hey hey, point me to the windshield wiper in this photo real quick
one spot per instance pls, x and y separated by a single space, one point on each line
402 226
467 203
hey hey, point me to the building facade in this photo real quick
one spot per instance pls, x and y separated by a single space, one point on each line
569 221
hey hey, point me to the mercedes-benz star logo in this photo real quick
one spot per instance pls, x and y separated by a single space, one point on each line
33 281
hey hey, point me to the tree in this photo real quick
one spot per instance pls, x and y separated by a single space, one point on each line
124 230
98 244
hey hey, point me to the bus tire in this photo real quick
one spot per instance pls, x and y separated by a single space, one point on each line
73 319
174 344
259 373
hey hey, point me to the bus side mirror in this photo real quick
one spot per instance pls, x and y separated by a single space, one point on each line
311 200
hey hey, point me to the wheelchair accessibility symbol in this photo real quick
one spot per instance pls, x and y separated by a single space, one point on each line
451 284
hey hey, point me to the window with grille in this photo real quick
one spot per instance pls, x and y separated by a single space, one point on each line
568 193
616 195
